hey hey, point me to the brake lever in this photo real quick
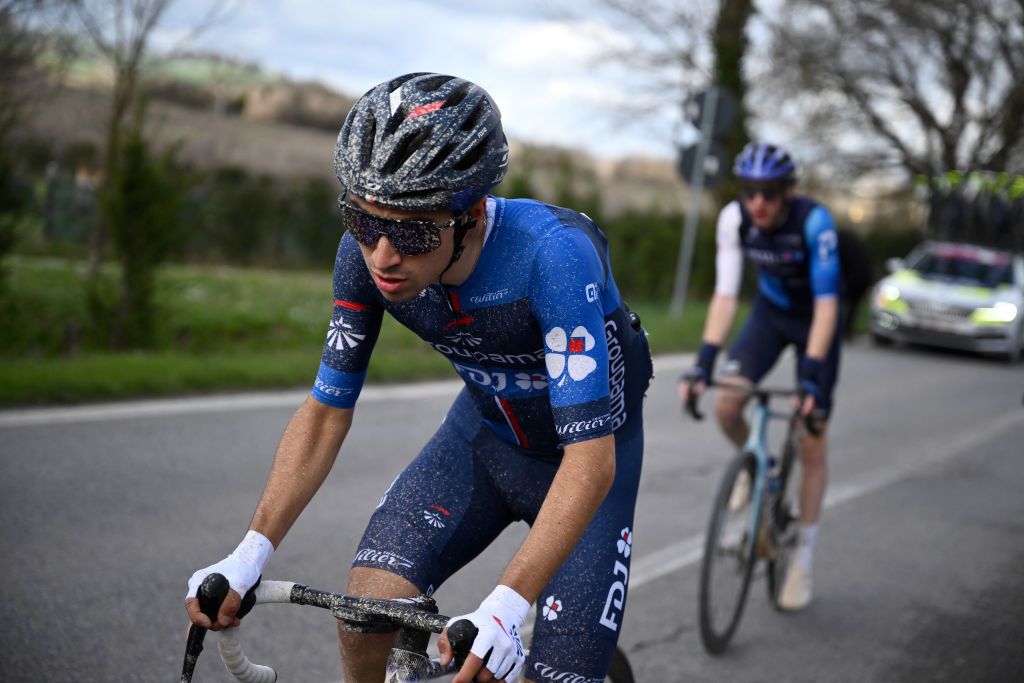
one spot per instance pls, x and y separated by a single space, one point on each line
211 594
690 405
461 635
811 423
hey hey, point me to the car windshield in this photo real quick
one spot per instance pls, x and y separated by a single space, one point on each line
965 265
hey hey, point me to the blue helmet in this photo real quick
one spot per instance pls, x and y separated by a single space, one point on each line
765 162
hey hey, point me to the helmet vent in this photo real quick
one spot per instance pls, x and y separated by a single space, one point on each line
439 158
473 120
395 120
406 148
432 84
474 155
366 149
458 95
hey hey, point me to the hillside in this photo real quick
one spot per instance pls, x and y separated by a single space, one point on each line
260 133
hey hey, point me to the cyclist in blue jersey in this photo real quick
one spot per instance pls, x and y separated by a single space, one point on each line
519 296
792 242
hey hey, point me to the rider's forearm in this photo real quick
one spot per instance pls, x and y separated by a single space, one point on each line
721 313
823 327
583 480
307 451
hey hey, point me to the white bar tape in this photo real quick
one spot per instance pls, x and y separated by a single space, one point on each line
274 591
237 664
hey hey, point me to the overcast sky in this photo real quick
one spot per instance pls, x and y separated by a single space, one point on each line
538 67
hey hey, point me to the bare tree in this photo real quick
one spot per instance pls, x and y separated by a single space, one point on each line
120 31
676 49
140 192
21 46
21 87
666 45
924 86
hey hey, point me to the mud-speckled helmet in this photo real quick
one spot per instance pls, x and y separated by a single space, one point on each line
422 142
762 161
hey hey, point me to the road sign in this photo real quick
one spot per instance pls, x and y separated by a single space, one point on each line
715 166
725 110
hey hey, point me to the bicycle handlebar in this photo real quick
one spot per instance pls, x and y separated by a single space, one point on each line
360 612
763 395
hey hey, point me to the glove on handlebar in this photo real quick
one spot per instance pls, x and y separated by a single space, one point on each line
810 376
704 364
242 568
499 621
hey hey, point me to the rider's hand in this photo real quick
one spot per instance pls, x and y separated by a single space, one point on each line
498 647
699 376
242 569
810 383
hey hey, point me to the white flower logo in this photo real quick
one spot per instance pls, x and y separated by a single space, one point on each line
625 542
464 338
551 608
433 519
568 352
339 336
527 381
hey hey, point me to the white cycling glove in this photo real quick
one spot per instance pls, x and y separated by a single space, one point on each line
499 620
242 568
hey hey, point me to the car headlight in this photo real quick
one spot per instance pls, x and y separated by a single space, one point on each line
999 313
888 297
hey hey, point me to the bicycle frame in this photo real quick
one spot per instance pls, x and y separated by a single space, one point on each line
757 443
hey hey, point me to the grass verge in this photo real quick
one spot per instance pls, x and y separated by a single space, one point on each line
218 329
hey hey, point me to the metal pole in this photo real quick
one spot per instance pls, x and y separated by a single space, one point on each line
707 121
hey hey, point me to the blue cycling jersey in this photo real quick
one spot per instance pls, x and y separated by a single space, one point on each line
538 332
797 261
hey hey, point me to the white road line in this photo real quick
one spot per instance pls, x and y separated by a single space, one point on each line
905 461
213 404
127 410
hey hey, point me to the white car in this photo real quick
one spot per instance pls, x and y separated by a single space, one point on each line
954 295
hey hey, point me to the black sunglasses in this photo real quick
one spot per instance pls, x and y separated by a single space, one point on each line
770 194
408 237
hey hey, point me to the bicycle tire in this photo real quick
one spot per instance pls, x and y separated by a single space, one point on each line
620 670
783 516
735 563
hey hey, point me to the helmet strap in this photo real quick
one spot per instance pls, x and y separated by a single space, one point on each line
463 226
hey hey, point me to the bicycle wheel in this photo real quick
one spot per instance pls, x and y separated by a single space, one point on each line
729 557
785 517
619 671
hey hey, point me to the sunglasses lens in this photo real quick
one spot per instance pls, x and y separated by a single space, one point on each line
409 238
769 193
412 238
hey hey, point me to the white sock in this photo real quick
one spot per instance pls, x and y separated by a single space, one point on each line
805 545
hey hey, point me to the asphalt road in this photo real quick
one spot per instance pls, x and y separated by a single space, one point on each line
107 510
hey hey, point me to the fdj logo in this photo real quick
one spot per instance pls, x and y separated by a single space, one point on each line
617 592
591 292
531 381
567 354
